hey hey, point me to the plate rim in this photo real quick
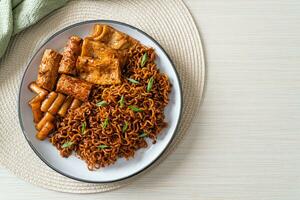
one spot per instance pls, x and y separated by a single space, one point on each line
138 171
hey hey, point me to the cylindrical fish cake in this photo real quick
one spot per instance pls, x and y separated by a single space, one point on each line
64 108
40 91
48 101
70 54
75 87
48 69
44 132
75 104
36 111
46 118
53 109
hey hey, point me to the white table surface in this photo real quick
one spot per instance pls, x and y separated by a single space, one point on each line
245 142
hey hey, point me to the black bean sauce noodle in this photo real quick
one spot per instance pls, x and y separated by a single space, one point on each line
118 128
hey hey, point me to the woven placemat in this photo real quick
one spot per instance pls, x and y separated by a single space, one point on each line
169 22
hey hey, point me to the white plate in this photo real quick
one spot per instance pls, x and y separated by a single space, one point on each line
73 167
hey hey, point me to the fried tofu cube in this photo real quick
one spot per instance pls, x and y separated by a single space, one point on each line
93 49
99 63
96 49
112 37
74 87
48 69
103 71
69 56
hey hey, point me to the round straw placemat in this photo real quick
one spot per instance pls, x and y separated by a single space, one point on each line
169 22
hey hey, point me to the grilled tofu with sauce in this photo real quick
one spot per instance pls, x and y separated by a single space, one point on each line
48 69
75 87
104 71
99 63
111 37
70 54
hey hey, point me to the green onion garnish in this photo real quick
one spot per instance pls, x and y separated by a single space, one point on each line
125 126
150 83
143 134
101 104
105 123
135 109
144 59
133 81
67 144
122 101
102 146
83 127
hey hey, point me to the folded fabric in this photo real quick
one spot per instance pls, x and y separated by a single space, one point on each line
16 15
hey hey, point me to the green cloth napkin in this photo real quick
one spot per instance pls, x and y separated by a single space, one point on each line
16 15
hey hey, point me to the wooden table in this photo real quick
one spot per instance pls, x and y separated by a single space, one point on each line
245 142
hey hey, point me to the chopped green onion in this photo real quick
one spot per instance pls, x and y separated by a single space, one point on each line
133 81
101 104
102 146
125 127
150 83
67 144
143 134
83 127
135 109
105 123
122 101
144 59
